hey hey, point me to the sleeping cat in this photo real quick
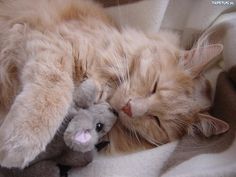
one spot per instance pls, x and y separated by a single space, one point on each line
48 47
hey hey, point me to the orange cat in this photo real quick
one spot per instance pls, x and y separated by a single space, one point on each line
48 47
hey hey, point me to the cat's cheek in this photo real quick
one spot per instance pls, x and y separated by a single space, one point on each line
124 116
125 119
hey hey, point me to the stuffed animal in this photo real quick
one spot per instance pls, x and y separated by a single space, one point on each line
74 143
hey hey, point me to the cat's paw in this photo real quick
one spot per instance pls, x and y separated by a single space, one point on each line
18 149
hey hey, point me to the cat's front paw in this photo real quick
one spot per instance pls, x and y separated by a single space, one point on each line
18 149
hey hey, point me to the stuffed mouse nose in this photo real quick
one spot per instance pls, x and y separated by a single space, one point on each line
127 109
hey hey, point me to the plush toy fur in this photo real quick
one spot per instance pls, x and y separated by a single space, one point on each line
73 145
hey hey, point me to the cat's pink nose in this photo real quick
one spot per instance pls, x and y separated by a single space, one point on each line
127 109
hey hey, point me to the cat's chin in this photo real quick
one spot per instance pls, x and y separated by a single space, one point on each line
130 122
125 119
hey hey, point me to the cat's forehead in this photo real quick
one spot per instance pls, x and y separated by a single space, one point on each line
148 66
155 59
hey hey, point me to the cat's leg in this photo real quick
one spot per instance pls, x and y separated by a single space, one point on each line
39 109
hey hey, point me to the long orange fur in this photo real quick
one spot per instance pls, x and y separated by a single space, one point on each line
48 47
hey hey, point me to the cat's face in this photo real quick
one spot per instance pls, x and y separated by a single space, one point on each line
162 96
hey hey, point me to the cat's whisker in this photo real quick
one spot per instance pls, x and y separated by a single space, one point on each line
147 137
181 125
113 65
127 87
132 134
123 68
137 137
133 131
128 72
126 91
117 70
113 70
153 141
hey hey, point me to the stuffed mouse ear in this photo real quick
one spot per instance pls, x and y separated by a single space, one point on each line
209 125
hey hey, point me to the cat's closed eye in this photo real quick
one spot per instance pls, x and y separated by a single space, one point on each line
154 89
157 120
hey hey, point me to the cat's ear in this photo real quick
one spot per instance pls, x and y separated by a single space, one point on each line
209 125
196 60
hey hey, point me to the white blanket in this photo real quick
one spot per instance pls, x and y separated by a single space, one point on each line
154 163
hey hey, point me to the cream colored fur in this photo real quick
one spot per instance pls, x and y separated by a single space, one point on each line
48 47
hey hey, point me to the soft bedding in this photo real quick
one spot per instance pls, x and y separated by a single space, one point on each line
190 156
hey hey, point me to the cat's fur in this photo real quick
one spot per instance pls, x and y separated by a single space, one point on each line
48 47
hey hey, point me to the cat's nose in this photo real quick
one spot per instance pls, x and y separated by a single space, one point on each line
127 109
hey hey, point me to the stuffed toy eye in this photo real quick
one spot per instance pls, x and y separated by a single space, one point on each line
99 127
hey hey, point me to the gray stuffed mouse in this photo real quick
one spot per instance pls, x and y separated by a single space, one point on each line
74 143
